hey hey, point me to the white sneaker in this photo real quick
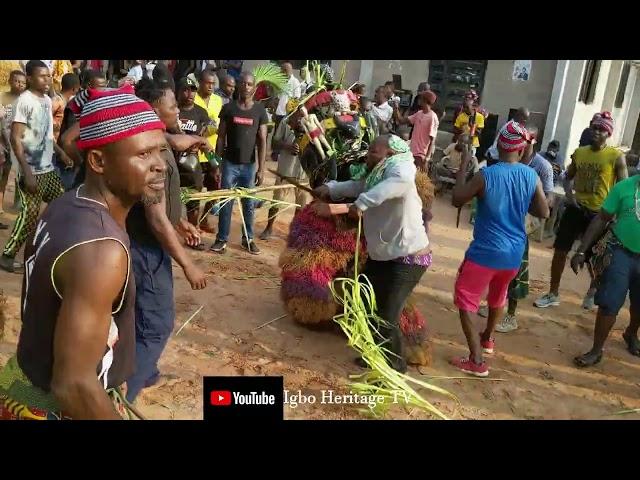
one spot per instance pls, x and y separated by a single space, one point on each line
589 302
508 324
547 300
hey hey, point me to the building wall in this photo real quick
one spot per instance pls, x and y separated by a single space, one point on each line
626 117
583 113
574 116
352 73
501 93
413 72
567 99
632 96
374 73
612 87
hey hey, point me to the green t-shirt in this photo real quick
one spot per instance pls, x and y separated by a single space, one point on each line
621 202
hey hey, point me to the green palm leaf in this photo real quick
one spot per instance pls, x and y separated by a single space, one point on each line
272 75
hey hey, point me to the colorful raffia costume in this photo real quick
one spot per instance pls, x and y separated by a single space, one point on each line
322 249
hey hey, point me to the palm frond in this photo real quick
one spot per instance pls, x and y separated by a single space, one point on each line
343 72
271 74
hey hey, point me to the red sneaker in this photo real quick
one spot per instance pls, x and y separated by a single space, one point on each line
466 365
488 345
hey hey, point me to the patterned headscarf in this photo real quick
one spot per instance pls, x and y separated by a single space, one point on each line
513 137
472 95
401 153
603 120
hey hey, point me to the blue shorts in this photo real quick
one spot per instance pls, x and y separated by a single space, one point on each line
622 275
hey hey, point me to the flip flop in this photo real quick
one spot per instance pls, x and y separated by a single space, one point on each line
582 363
633 344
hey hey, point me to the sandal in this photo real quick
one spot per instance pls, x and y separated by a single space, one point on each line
633 344
200 247
587 360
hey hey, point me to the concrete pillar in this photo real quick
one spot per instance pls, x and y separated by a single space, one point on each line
557 95
366 75
632 96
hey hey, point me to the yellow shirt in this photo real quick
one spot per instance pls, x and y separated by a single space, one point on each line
60 69
595 175
6 67
462 122
213 109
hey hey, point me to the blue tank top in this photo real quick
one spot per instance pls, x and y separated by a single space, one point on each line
499 234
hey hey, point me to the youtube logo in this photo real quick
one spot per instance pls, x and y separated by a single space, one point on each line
221 398
243 399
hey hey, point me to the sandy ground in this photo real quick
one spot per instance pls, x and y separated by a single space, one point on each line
532 374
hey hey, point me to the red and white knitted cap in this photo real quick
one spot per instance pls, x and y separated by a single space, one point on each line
513 137
110 115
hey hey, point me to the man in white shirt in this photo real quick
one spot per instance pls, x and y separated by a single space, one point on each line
137 71
294 91
381 110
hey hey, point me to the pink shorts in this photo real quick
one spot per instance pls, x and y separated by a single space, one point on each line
472 282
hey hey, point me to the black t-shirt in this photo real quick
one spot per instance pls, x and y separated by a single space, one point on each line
194 121
242 131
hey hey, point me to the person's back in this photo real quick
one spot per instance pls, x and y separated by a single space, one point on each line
55 236
499 233
544 170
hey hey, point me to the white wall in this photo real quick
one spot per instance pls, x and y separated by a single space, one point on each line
574 116
632 97
352 73
249 65
583 113
626 117
413 72
566 88
612 87
501 93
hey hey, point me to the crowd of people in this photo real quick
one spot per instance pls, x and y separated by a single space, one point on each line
115 159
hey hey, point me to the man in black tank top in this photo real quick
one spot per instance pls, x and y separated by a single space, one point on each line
77 343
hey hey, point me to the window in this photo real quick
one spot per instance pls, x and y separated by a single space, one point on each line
450 80
589 81
624 79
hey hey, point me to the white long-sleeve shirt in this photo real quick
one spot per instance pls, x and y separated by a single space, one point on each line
294 89
392 212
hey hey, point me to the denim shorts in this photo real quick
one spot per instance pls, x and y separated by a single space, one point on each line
622 275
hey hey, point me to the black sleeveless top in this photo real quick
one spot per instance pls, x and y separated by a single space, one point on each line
69 221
